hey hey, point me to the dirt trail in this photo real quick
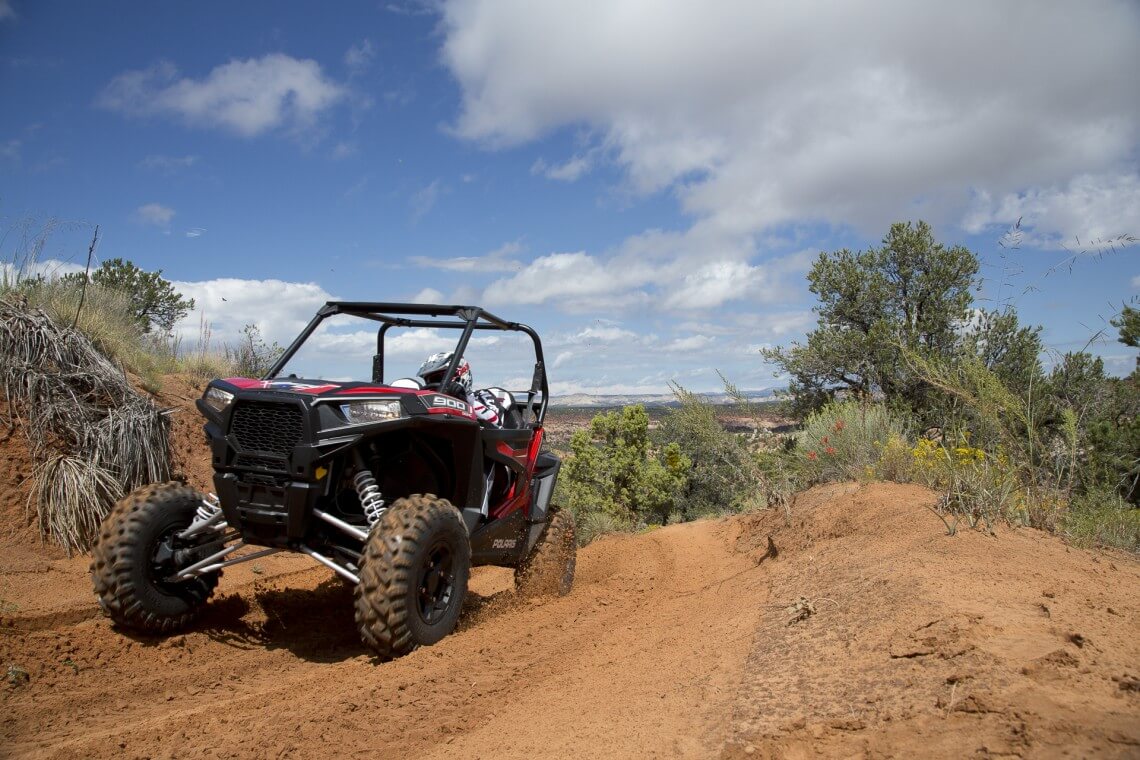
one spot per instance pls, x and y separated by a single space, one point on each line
677 642
641 659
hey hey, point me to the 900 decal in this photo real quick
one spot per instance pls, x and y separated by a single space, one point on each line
447 402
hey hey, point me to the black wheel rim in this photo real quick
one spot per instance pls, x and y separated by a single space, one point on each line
163 560
437 583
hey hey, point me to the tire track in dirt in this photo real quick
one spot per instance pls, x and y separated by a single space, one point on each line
641 659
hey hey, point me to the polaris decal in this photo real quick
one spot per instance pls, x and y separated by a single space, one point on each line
504 543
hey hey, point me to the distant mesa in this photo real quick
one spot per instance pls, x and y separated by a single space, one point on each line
653 400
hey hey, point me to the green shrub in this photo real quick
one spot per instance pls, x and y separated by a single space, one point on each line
1102 518
589 524
202 368
613 470
725 477
842 441
896 460
252 356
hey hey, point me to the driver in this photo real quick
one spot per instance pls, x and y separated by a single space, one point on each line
487 406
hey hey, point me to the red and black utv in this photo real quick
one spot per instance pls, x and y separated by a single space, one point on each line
395 486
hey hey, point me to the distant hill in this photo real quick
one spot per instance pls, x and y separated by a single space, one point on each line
587 400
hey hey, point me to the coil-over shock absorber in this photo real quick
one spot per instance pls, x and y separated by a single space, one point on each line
371 500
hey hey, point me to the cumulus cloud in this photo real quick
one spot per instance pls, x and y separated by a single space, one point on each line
428 295
1088 207
154 213
654 268
247 97
576 280
757 117
49 268
690 343
713 284
601 334
279 309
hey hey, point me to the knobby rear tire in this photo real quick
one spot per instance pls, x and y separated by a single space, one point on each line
549 570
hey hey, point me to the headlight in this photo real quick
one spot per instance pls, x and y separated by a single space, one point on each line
361 412
217 399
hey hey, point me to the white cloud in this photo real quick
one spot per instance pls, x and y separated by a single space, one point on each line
601 334
575 280
690 343
499 260
248 97
359 57
6 10
279 309
662 269
568 171
428 295
154 213
714 284
50 268
195 232
420 341
1089 207
168 164
1136 281
756 114
783 324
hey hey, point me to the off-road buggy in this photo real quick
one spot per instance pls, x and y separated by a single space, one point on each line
396 487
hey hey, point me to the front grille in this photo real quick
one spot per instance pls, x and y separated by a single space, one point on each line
267 428
254 462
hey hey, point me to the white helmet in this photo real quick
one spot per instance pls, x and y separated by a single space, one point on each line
435 366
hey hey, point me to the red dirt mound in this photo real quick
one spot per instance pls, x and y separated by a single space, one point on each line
915 643
851 626
189 453
19 536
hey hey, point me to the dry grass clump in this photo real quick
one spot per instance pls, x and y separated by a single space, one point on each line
91 435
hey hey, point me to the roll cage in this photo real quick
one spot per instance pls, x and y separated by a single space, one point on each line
468 319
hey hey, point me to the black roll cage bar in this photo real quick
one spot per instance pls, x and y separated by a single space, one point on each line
468 319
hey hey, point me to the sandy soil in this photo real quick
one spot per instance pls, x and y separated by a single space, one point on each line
683 641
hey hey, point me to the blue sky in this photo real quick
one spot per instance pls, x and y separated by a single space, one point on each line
644 182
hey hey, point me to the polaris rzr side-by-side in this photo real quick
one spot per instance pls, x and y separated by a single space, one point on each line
399 487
